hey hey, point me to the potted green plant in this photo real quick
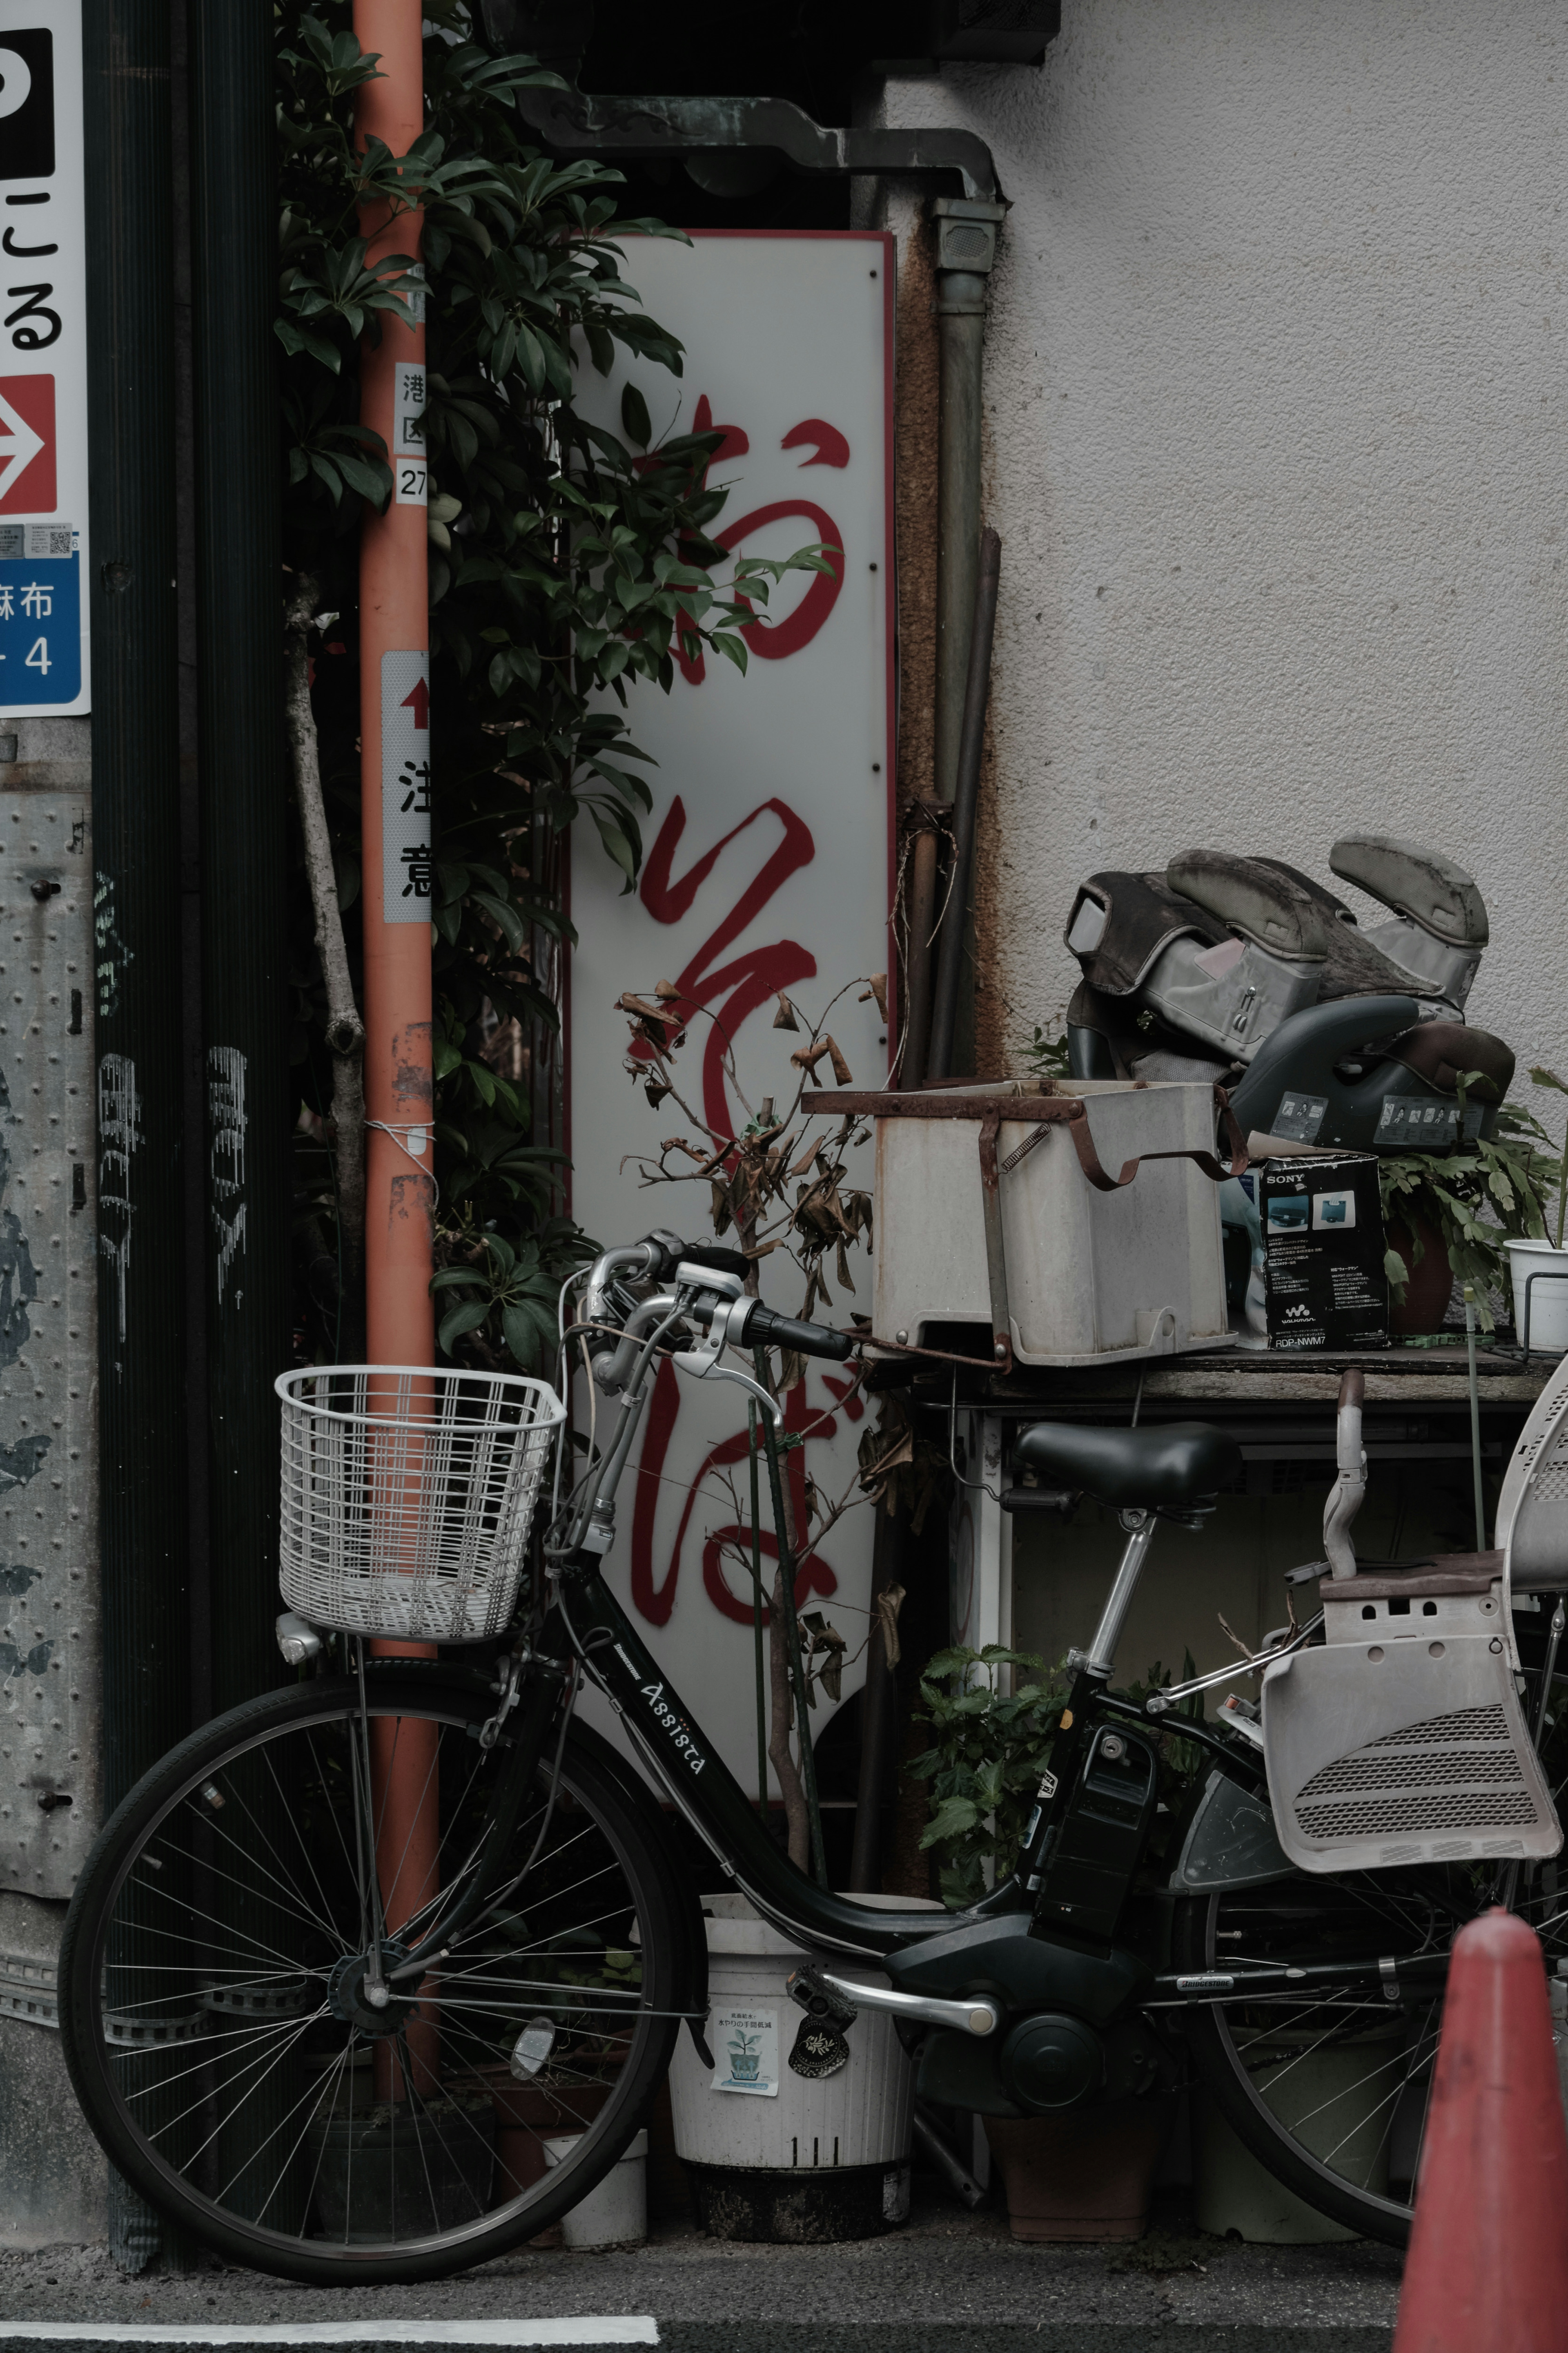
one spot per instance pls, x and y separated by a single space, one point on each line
1451 1216
1089 2173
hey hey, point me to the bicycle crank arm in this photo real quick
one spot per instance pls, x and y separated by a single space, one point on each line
978 2014
1176 1989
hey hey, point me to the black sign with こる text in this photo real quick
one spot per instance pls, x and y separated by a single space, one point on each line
26 105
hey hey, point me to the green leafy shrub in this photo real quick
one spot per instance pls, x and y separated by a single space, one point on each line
990 1751
565 560
1479 1195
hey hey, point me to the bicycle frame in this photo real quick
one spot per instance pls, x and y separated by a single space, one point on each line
584 1624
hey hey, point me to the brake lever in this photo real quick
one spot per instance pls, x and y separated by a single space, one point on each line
702 1362
716 1372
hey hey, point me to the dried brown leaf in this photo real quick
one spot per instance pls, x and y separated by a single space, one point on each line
886 1606
784 1018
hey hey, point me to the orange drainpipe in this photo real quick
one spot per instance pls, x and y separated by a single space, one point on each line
395 772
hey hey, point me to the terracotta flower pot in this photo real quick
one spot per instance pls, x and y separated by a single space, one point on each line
1087 2174
527 2115
1431 1283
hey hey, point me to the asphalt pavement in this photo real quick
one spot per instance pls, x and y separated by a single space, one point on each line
947 2282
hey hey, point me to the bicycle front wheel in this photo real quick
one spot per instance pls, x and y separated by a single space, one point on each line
213 2001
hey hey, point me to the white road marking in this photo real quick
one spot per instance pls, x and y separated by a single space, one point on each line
592 2328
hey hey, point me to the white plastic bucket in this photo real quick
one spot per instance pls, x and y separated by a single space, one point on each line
1548 1296
791 2123
615 2213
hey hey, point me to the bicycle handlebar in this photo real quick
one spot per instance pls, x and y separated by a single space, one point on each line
764 1329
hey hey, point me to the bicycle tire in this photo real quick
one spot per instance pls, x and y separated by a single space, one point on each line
1220 2038
599 1799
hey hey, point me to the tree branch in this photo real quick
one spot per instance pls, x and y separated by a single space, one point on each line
345 1031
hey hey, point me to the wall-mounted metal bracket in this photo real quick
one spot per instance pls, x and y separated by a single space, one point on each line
573 124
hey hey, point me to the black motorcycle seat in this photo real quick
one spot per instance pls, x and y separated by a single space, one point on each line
1175 1462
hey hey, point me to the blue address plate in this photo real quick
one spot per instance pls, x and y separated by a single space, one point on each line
40 630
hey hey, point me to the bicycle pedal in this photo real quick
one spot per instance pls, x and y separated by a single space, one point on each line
822 2001
820 2048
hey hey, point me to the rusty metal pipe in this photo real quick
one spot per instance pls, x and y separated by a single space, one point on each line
956 918
965 250
921 906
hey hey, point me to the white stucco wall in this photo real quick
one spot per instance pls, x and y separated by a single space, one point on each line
1275 405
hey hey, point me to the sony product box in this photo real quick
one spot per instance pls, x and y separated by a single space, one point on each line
1323 1251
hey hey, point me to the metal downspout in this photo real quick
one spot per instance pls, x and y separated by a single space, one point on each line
965 254
139 1043
136 824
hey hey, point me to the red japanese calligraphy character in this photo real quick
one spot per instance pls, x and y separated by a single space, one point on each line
776 640
755 975
656 1601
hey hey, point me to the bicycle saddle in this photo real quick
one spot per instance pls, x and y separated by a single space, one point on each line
1175 1463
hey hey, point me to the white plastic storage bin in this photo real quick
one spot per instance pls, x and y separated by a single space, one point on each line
614 2213
772 2155
1091 1276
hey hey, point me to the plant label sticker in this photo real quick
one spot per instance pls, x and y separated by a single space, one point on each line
744 2039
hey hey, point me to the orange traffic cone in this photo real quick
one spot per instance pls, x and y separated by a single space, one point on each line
1488 2266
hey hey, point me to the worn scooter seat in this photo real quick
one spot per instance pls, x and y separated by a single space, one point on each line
1173 1462
1431 890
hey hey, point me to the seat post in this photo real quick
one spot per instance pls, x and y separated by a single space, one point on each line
1140 1526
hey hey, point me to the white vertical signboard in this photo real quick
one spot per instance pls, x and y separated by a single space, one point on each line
766 868
43 361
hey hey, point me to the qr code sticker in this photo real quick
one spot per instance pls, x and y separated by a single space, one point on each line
49 539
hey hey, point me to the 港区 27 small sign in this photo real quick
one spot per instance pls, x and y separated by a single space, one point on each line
43 361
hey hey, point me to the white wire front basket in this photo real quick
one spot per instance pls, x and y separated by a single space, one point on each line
408 1496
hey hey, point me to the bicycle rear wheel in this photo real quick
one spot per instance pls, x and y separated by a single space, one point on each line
212 2002
1329 2086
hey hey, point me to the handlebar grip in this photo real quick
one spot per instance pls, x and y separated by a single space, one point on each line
764 1329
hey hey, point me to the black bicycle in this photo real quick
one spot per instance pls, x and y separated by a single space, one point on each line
375 1977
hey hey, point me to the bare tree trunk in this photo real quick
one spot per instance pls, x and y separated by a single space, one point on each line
345 1031
779 1754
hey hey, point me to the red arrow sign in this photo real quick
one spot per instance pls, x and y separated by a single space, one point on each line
28 445
419 704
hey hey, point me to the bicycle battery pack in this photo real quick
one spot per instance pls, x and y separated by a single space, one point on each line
1099 1840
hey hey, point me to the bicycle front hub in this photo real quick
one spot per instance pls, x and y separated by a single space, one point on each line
348 1999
